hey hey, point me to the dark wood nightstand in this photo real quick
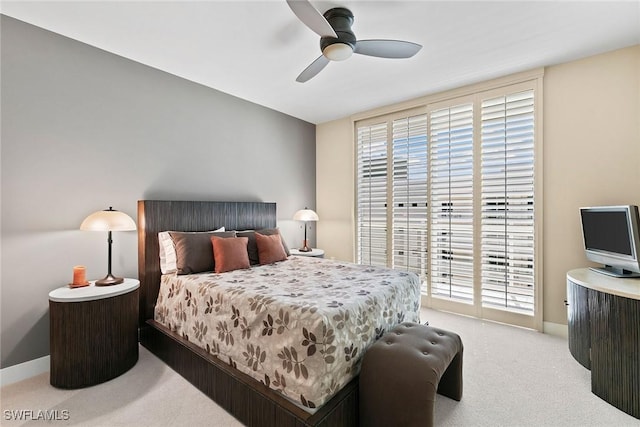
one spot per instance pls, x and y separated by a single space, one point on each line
93 333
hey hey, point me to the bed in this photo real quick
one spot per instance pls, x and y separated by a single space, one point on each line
248 384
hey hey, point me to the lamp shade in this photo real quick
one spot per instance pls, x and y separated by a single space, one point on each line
305 215
108 220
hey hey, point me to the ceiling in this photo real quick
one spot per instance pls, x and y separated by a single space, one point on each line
255 49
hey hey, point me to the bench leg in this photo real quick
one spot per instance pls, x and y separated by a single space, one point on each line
450 384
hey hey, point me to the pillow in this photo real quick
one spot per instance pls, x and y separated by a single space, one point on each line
194 253
168 252
270 248
230 253
252 248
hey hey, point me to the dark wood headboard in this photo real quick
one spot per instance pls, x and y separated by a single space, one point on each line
163 215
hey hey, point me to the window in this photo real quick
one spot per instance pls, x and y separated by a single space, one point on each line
451 179
392 194
447 191
508 202
372 194
409 194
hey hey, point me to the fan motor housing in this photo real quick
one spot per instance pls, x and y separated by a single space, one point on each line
340 20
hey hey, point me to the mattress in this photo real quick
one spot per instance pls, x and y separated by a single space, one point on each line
299 326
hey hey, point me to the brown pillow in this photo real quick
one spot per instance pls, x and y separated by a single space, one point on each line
270 248
252 247
194 253
230 253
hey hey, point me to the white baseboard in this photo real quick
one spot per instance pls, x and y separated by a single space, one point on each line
556 329
25 370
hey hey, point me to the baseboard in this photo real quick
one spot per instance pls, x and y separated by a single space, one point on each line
25 370
556 329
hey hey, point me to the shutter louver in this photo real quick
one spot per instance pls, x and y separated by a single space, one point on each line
507 202
372 194
409 194
451 202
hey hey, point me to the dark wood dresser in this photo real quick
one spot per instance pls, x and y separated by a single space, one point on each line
604 335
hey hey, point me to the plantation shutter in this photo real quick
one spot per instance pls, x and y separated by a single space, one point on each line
446 190
451 202
372 194
508 202
409 194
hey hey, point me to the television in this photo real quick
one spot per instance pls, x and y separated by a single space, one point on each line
612 238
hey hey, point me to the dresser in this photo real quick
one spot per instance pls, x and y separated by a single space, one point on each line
604 334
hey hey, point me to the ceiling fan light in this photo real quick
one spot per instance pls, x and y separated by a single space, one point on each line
338 51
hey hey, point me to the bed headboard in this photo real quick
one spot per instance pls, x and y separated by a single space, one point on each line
163 215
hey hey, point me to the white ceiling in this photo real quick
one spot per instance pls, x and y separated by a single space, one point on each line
255 49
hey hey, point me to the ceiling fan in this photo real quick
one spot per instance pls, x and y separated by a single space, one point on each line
338 42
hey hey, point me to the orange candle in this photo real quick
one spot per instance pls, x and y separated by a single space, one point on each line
79 276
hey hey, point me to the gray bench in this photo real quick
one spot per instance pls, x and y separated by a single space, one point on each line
402 372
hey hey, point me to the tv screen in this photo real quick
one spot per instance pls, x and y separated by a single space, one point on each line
606 231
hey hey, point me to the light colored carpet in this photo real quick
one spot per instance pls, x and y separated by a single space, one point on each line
512 377
519 377
149 394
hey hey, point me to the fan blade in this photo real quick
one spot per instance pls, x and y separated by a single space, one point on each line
310 17
313 69
387 48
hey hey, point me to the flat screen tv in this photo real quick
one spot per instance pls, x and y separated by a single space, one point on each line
611 238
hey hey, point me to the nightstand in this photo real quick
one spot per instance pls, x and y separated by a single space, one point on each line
318 253
93 333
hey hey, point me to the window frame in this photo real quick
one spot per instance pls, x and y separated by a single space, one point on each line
476 93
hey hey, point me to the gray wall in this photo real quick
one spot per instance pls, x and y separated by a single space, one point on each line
83 129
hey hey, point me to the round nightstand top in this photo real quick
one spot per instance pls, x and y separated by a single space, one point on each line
92 292
314 252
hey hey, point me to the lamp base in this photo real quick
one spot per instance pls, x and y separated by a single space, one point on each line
305 247
109 280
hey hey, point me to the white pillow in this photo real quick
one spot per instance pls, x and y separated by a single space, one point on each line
168 258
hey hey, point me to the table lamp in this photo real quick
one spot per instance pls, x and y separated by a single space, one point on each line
305 215
108 220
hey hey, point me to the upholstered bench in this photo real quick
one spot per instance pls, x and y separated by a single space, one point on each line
402 372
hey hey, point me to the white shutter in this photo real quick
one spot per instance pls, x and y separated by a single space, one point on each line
451 203
372 194
450 195
507 202
409 194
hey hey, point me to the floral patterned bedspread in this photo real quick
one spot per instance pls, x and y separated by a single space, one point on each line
299 326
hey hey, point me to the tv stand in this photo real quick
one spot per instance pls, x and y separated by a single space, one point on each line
604 334
620 273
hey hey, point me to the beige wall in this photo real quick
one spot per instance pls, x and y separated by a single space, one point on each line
336 194
591 157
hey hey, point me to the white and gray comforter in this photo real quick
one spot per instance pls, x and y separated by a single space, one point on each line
299 326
